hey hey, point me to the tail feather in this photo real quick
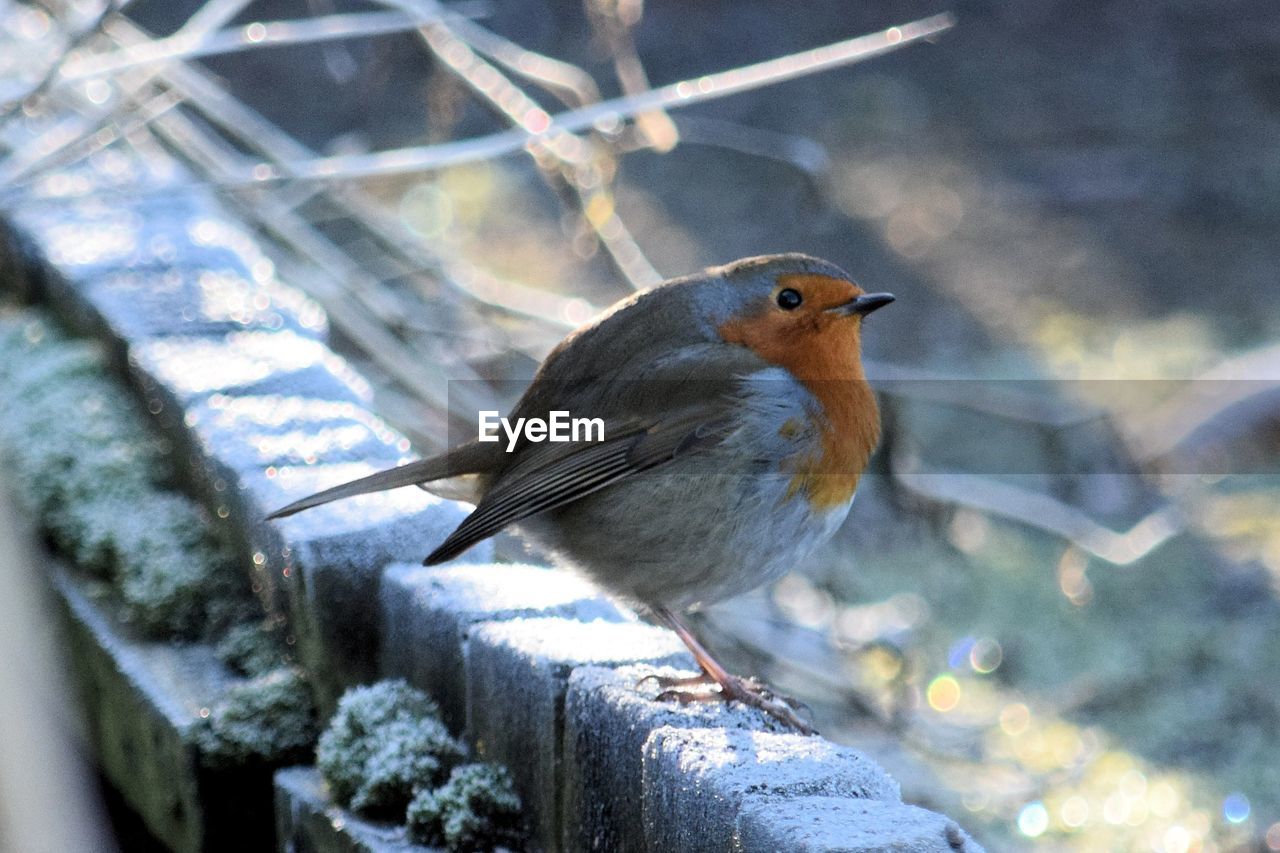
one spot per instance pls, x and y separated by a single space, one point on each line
452 464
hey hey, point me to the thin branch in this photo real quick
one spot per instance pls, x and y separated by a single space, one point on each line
606 114
1036 509
42 150
50 77
572 153
192 45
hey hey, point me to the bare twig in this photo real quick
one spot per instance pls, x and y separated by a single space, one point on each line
542 126
50 77
42 150
259 34
1044 512
573 154
615 20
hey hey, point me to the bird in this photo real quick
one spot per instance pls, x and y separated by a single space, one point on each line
737 420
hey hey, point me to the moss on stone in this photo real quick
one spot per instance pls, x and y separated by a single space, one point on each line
95 476
252 648
477 809
384 743
271 719
406 757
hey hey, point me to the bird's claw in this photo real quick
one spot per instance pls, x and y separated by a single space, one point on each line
667 682
749 691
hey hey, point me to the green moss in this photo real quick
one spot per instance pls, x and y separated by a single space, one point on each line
384 742
252 648
405 758
67 434
97 479
270 719
168 567
477 809
95 476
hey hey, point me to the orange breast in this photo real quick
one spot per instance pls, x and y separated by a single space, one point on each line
821 351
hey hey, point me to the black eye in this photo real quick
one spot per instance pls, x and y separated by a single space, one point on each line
789 299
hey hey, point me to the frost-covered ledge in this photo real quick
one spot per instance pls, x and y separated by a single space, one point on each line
535 668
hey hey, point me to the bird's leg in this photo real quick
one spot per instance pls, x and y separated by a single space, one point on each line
748 691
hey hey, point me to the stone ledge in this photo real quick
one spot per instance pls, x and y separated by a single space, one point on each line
849 825
609 715
141 701
696 781
308 820
260 408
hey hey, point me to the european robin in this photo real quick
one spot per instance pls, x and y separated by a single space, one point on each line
737 421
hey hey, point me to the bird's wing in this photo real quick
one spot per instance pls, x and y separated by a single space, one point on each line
550 479
680 401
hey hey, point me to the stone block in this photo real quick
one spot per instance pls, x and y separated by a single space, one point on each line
265 418
517 675
332 573
83 238
696 781
308 821
251 363
427 614
141 702
190 301
609 715
804 824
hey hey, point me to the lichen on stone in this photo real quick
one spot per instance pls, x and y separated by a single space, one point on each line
271 719
477 809
383 744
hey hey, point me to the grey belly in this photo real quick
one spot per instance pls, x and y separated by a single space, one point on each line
680 539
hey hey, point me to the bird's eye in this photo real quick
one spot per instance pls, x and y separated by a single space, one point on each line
789 299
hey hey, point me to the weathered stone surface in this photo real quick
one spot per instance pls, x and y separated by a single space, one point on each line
696 780
427 614
335 565
517 675
847 825
609 715
308 821
80 242
265 418
252 363
191 301
141 702
82 239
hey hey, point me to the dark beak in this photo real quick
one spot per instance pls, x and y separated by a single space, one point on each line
863 305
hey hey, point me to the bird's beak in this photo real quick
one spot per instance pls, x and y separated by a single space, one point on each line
862 305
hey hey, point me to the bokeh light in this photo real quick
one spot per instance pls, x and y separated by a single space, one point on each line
1033 820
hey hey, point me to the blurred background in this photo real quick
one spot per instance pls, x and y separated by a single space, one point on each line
1053 610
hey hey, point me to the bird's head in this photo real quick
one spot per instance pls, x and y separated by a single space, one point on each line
796 311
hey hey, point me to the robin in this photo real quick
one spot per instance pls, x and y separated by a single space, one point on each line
737 421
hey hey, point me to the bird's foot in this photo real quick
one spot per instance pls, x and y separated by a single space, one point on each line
749 691
669 684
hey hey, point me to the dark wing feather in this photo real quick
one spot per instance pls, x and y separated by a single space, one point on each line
525 491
